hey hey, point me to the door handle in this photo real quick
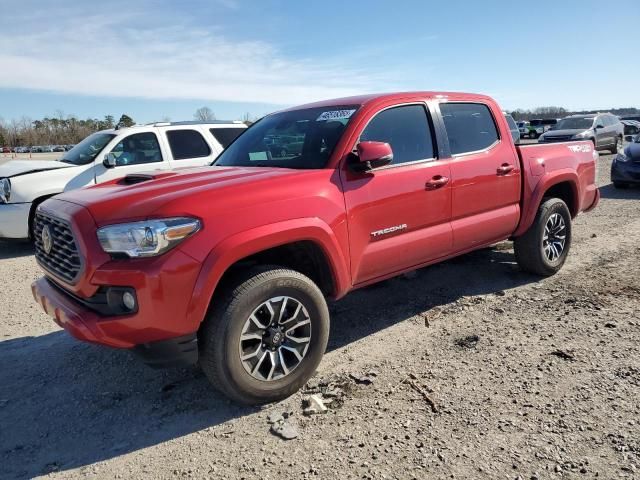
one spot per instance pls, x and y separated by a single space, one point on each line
437 182
505 168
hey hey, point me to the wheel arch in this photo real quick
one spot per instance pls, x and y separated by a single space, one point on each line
562 185
305 245
34 206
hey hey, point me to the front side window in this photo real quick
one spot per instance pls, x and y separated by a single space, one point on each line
406 129
186 144
137 149
88 149
301 139
470 127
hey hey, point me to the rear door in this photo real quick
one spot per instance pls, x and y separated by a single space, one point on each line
485 174
189 147
398 214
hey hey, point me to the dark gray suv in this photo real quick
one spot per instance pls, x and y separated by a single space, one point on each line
603 129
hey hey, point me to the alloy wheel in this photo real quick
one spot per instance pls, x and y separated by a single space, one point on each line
554 238
275 338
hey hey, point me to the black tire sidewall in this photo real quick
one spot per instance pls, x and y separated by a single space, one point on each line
253 390
549 208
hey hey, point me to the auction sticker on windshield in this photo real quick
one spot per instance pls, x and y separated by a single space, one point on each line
335 115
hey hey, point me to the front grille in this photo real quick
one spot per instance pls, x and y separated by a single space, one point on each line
558 138
63 260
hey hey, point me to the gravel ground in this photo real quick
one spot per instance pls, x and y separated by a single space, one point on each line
467 369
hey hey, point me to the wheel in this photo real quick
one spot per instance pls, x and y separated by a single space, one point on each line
620 185
544 247
617 146
266 336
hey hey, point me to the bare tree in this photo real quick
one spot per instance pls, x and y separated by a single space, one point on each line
204 114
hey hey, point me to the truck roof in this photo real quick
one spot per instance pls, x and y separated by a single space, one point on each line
374 97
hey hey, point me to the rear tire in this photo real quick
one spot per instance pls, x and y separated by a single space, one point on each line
617 146
543 249
241 352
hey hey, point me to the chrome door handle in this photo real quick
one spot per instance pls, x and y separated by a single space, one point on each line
436 182
505 168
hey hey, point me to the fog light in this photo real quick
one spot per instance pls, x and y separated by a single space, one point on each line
129 301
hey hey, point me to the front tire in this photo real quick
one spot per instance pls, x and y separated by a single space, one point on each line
265 335
543 249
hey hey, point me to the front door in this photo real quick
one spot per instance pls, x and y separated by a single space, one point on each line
399 214
136 153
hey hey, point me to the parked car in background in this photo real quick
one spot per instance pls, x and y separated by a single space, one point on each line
48 149
102 157
523 128
59 148
5 149
635 117
538 126
230 266
603 129
513 128
625 168
631 129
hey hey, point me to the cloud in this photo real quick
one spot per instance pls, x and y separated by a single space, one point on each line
134 53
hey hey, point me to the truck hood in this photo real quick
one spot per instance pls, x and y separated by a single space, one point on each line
143 195
14 168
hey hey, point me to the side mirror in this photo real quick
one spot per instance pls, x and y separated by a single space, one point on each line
599 126
371 155
110 160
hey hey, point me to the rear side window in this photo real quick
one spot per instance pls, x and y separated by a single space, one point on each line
225 136
470 127
406 129
187 144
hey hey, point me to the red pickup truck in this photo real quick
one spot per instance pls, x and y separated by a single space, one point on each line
230 266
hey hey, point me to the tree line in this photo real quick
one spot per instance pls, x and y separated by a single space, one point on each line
68 130
57 130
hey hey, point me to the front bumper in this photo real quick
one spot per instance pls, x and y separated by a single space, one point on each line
625 172
14 220
163 286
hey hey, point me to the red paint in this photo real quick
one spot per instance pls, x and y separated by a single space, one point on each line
439 209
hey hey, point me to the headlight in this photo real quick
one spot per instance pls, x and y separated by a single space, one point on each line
147 239
582 134
621 157
5 190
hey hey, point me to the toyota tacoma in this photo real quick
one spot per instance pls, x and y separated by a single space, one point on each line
230 266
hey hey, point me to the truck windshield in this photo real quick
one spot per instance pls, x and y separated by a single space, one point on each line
302 139
575 123
88 149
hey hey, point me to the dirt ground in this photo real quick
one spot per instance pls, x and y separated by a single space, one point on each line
467 369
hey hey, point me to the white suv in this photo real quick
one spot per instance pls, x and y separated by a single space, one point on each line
104 156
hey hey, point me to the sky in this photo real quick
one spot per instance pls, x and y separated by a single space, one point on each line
163 59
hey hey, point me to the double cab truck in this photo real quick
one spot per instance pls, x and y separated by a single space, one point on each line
104 156
230 266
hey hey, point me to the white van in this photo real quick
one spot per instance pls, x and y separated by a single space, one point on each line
104 156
